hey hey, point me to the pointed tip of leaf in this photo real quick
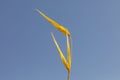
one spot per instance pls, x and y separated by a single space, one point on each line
51 33
37 10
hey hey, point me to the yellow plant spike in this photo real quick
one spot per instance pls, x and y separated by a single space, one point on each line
61 54
55 24
65 31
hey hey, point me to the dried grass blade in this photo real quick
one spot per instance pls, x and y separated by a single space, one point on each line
55 24
61 54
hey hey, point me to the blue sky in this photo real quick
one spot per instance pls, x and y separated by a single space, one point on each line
27 51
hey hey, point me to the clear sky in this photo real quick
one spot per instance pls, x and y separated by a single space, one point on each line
27 51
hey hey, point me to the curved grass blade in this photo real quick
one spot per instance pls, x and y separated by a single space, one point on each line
55 24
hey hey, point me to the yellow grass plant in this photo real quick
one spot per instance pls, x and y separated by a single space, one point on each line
65 31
